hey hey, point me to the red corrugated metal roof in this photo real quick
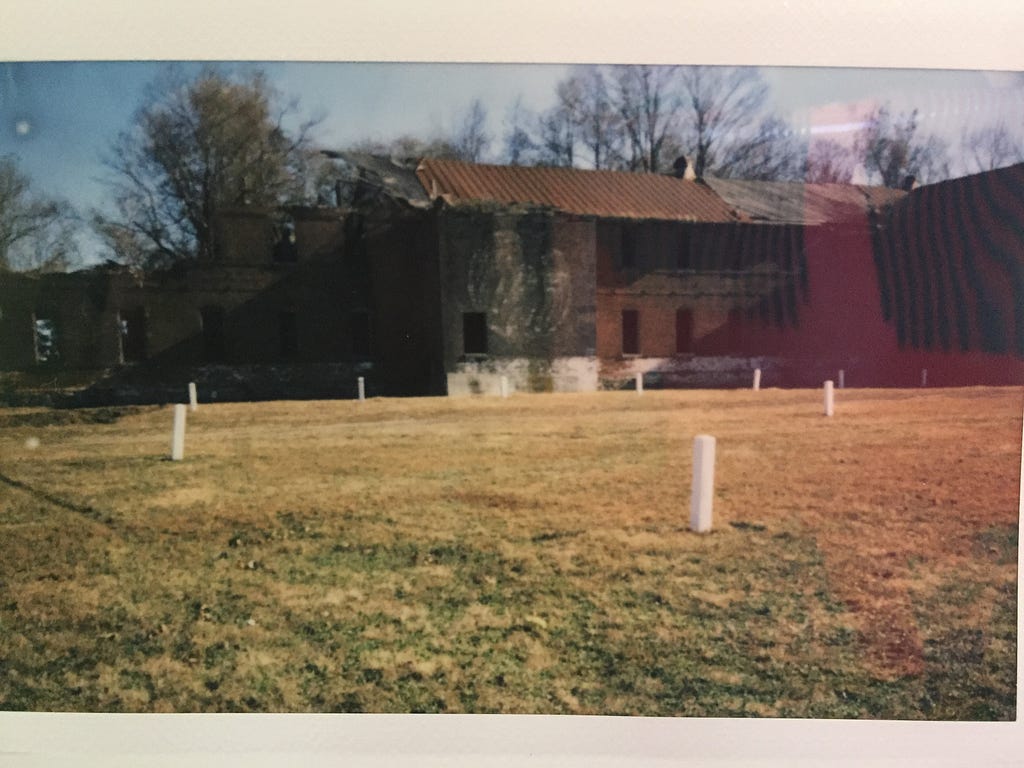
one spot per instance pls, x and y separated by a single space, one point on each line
608 194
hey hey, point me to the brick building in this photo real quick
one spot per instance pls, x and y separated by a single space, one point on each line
442 277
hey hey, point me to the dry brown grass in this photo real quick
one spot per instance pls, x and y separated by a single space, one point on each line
528 555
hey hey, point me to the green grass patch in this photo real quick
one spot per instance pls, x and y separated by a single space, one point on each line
436 556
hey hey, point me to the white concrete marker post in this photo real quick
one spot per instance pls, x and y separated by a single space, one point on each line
703 483
178 438
924 377
504 386
842 378
362 388
193 400
639 383
829 399
757 379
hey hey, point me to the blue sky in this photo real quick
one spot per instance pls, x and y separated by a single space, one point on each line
58 119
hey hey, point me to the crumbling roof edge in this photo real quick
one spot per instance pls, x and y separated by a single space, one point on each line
398 180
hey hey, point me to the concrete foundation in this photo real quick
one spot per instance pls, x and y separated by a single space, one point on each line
483 377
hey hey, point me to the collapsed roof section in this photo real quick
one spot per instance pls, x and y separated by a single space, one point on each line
375 175
780 202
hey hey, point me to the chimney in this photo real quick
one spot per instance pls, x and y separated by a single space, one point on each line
909 183
683 169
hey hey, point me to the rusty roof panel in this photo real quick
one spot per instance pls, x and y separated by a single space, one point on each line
782 202
608 194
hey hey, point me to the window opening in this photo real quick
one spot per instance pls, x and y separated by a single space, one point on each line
630 332
45 331
474 333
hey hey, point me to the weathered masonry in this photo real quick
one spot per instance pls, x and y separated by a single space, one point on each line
445 277
276 313
699 282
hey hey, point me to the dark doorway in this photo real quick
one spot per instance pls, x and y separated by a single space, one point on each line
45 332
133 334
474 333
213 333
286 248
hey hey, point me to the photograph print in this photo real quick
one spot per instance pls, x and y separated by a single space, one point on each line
675 391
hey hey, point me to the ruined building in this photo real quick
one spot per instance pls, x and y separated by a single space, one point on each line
441 277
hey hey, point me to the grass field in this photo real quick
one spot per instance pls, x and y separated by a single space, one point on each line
521 555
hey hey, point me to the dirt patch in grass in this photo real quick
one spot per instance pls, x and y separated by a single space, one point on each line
50 417
521 555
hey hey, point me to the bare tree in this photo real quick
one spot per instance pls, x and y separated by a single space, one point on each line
991 147
468 142
125 245
772 153
722 107
599 124
558 127
583 127
36 234
646 101
829 162
648 106
472 140
892 150
641 118
193 148
408 149
557 139
520 147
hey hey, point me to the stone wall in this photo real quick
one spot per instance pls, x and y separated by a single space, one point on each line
79 315
404 300
688 290
529 274
299 303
